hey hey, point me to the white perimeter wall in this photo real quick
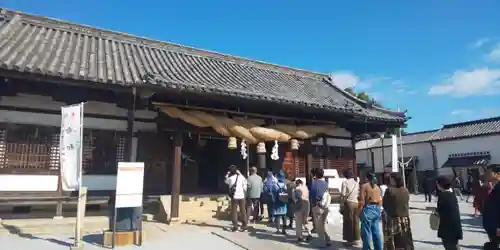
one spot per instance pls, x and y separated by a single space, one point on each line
49 183
474 144
422 150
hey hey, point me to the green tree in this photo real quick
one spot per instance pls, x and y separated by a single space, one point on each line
367 98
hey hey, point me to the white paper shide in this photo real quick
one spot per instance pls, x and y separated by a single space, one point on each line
70 146
129 184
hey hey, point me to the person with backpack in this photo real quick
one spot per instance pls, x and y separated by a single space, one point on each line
301 209
237 192
320 200
280 198
268 196
290 187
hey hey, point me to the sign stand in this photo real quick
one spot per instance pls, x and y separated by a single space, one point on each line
129 194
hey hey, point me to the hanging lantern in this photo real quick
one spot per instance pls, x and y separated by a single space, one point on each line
261 147
294 144
274 153
243 150
232 143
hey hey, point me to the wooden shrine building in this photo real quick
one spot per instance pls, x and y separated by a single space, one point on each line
174 107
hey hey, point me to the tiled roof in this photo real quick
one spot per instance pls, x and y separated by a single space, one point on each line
469 129
50 47
409 138
481 127
467 161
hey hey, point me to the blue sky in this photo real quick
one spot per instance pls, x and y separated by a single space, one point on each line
438 59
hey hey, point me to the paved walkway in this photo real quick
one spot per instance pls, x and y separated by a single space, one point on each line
212 235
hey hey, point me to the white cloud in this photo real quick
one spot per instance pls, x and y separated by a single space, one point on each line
406 91
494 55
480 43
345 79
348 79
460 112
481 81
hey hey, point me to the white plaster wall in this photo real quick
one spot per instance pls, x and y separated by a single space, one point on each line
28 182
49 183
422 150
46 103
475 144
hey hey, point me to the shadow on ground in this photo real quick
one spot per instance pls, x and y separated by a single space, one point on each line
269 235
434 243
17 231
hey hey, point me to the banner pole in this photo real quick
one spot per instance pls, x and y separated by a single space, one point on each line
81 194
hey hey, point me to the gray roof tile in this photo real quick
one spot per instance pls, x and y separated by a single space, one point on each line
469 129
40 45
447 132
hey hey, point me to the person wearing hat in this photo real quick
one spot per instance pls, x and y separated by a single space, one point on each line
254 192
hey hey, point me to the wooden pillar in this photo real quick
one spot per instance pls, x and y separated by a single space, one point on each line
130 128
176 177
325 152
130 135
59 205
309 160
354 164
261 157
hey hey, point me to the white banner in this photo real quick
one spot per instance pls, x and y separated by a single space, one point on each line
129 184
395 163
70 146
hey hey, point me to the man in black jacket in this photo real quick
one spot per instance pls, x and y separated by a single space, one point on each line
491 216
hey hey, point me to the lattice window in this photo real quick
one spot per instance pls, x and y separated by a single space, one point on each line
102 150
300 164
54 152
120 149
27 149
3 133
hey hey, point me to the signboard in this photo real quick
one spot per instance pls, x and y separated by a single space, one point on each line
129 184
70 146
395 163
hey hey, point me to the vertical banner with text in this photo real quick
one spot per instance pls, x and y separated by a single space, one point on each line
70 146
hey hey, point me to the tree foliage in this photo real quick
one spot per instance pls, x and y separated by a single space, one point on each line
364 97
367 98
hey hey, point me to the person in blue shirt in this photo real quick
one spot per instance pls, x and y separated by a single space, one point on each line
318 188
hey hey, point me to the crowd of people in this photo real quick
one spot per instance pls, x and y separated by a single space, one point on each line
377 215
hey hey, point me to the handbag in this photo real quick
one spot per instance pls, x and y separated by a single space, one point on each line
434 221
344 203
232 189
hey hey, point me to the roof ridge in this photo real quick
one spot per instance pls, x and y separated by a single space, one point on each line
422 132
484 120
146 41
